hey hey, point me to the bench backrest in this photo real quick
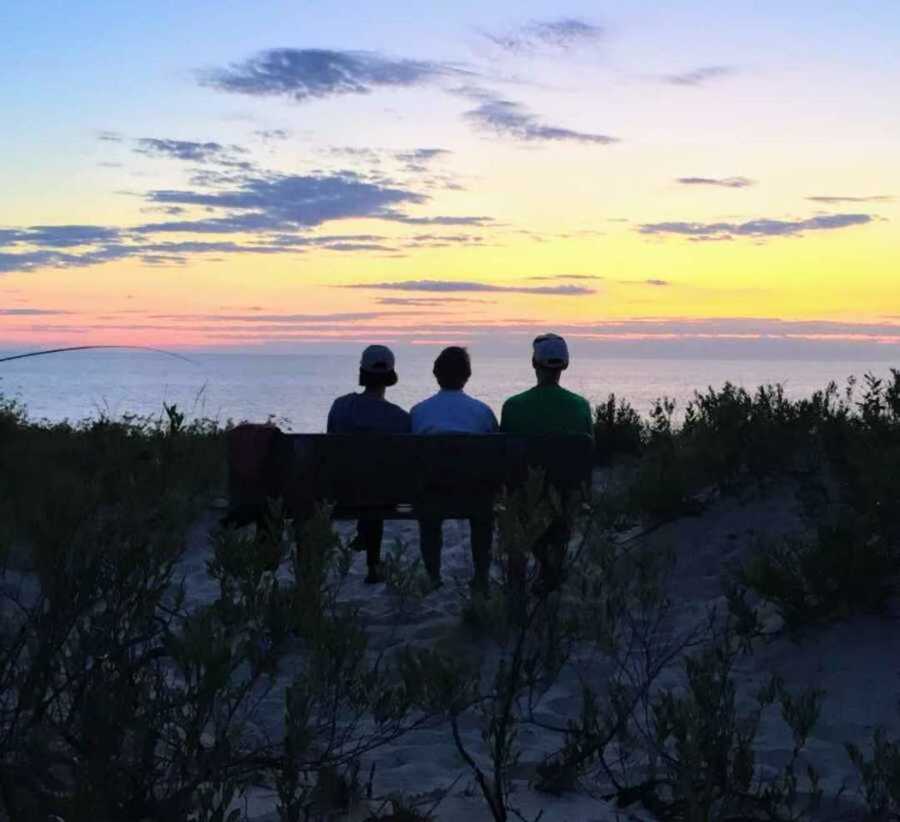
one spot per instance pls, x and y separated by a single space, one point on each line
445 471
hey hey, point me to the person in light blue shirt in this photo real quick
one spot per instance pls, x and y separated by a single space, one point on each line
452 411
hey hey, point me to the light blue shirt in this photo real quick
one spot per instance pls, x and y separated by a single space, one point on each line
452 412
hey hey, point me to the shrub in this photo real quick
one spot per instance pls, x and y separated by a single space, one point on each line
667 476
843 570
118 699
735 434
618 430
706 762
879 775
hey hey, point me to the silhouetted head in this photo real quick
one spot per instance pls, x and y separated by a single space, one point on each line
452 368
550 358
376 367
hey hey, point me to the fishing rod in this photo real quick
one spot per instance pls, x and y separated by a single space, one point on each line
92 347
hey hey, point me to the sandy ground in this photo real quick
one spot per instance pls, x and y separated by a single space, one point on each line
857 663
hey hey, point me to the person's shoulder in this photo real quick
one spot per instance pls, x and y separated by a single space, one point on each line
423 404
396 410
518 399
343 400
479 404
573 397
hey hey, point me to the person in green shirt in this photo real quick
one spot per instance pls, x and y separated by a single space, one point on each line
548 408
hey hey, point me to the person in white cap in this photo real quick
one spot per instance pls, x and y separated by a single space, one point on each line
548 408
366 412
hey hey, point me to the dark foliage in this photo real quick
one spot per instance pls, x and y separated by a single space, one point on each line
618 430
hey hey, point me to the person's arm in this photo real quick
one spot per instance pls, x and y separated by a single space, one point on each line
504 417
330 425
494 425
415 419
588 419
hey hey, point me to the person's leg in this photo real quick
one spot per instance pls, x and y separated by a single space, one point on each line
482 537
550 551
370 532
430 544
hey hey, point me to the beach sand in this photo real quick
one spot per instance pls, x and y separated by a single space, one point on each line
857 664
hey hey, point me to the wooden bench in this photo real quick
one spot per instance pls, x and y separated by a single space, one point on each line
392 476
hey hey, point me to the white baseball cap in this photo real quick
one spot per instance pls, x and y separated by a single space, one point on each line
551 351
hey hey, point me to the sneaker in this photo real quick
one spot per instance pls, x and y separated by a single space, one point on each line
375 575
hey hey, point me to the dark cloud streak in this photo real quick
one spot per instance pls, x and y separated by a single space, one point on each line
562 34
762 228
721 182
306 74
876 198
510 119
699 76
187 150
451 286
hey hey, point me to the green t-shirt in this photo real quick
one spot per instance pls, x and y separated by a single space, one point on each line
547 410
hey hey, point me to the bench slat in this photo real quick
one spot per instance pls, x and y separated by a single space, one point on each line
370 475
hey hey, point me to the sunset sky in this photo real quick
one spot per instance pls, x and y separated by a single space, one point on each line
202 174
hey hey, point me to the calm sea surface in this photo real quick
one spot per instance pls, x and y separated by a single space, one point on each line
298 389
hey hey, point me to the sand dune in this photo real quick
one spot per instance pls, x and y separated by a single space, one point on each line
857 663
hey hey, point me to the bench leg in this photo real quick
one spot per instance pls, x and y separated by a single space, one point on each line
482 538
431 539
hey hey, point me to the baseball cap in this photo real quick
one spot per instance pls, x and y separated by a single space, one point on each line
551 351
377 359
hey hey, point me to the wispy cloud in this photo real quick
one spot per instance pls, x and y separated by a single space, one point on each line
286 319
831 199
226 196
510 119
440 220
187 150
720 182
756 228
31 312
76 246
272 134
754 333
59 236
699 76
418 159
286 201
450 286
305 74
594 277
32 260
561 34
428 302
279 202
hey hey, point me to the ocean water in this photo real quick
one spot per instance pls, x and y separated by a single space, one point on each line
297 390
